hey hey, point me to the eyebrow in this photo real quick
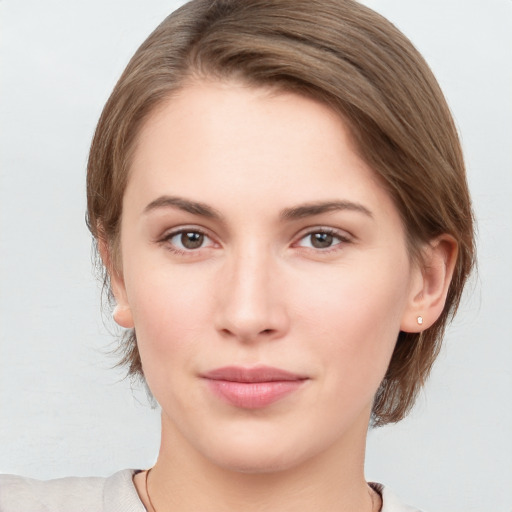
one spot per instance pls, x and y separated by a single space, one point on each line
186 205
294 213
311 209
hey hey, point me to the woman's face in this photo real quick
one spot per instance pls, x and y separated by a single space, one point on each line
266 273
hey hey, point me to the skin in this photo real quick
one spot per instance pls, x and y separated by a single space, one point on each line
257 289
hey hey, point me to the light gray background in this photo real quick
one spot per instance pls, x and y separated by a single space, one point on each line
63 411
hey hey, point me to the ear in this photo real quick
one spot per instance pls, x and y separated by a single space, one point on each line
122 313
430 284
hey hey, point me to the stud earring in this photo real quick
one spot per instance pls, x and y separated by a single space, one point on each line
420 320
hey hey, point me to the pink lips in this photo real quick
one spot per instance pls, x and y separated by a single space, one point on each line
252 388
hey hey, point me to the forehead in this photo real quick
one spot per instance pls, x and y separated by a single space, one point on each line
226 140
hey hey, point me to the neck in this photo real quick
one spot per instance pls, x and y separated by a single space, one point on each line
184 480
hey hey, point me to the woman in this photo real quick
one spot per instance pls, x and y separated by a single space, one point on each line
278 196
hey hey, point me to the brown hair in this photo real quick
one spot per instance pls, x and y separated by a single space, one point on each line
340 53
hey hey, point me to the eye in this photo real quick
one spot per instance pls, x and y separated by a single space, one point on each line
322 239
188 240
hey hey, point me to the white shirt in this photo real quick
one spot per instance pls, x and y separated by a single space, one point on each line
116 493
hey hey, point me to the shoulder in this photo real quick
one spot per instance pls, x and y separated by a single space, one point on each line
391 502
92 494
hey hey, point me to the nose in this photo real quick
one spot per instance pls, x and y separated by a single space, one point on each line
251 304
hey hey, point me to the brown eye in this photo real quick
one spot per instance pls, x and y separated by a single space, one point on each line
321 240
324 238
184 240
191 240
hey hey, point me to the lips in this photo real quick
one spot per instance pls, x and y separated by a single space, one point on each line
252 388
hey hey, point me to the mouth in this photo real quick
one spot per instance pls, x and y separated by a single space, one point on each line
253 388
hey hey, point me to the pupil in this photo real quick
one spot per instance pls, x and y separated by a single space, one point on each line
321 240
192 240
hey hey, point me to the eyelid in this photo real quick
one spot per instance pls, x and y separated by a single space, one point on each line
171 233
343 236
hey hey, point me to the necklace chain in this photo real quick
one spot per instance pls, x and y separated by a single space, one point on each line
371 491
153 509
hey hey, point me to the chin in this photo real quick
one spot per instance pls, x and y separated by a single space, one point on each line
252 456
257 464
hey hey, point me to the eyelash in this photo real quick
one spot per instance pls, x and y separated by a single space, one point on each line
342 240
176 250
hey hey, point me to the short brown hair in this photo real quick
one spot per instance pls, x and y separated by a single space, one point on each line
340 53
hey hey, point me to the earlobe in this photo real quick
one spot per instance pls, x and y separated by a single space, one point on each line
430 284
122 316
122 313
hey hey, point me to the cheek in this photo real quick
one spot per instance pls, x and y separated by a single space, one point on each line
355 321
169 324
170 315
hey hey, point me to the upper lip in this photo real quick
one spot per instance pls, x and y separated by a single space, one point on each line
255 374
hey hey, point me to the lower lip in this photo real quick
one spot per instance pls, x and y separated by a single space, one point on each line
253 395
